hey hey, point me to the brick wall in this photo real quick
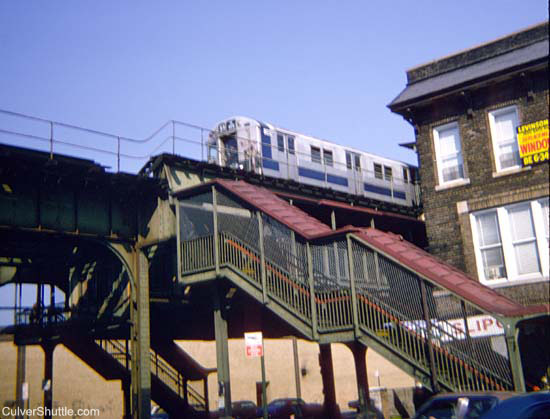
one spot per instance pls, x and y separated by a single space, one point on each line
448 224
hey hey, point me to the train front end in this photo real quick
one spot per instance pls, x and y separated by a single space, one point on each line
233 143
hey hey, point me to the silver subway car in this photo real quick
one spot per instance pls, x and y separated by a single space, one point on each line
248 144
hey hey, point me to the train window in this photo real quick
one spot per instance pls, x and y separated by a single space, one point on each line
290 141
348 159
357 162
327 157
388 173
378 171
405 175
315 154
280 143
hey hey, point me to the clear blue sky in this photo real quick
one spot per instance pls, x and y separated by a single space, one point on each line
323 68
327 69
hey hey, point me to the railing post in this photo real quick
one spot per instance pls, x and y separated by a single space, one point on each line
294 263
216 235
311 281
205 391
262 257
174 138
511 333
118 155
202 144
425 309
353 289
51 140
185 393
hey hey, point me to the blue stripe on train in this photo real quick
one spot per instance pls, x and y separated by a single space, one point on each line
270 164
317 175
384 191
310 173
338 180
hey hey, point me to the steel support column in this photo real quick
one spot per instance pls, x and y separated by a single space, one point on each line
222 355
359 352
514 355
47 383
127 396
141 364
20 378
296 367
327 374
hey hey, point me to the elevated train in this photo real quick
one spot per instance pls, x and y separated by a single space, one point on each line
248 144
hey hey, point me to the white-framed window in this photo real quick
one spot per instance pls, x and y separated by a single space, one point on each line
511 242
448 153
503 123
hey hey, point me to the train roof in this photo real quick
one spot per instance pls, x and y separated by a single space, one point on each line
320 140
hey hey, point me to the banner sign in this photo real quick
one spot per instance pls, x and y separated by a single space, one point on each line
533 143
479 326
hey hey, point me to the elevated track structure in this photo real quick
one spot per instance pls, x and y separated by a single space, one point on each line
223 253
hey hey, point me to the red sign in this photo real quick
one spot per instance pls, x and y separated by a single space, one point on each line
253 342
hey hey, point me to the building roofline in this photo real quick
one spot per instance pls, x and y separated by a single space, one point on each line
480 45
480 52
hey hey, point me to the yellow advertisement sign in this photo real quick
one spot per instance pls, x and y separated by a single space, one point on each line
533 143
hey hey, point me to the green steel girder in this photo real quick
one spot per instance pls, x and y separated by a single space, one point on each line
71 195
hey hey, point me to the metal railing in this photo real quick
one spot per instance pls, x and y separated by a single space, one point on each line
343 284
124 153
42 316
160 368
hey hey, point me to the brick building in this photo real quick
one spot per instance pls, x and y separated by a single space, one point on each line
485 213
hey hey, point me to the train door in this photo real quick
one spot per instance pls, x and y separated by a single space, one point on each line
229 151
279 154
353 164
290 155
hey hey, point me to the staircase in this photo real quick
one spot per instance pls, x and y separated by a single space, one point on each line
169 389
351 284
